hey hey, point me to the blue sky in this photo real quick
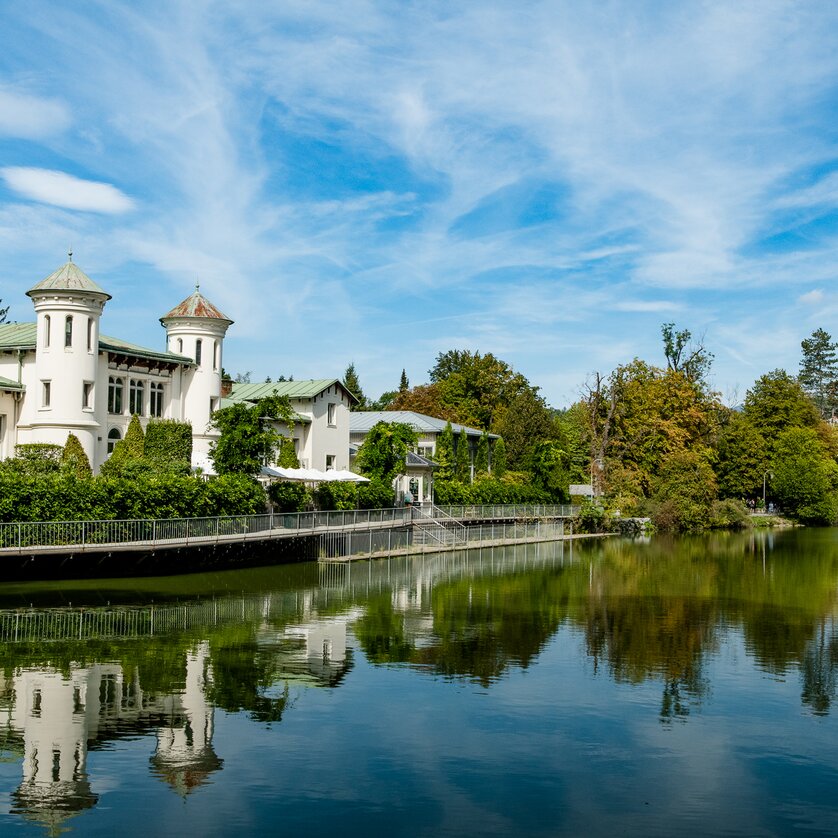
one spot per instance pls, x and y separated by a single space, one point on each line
379 182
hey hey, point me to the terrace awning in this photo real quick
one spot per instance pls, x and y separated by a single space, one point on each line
312 475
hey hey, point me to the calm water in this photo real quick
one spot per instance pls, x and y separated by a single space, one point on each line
615 687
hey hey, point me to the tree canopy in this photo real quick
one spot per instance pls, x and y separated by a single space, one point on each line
383 454
819 371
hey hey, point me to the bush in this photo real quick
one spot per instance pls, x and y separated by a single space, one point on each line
377 494
513 488
168 445
591 518
728 515
74 459
288 496
336 495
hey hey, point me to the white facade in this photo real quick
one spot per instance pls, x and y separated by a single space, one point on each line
60 375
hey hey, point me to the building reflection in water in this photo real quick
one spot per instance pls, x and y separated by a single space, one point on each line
51 718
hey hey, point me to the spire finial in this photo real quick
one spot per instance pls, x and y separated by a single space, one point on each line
197 286
70 254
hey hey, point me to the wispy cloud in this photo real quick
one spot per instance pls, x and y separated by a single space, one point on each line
62 190
31 117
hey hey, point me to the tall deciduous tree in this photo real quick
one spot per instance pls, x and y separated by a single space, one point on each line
383 454
249 434
683 355
742 458
819 371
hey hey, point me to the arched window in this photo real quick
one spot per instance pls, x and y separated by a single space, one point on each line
114 395
68 331
113 437
136 391
198 347
46 331
180 344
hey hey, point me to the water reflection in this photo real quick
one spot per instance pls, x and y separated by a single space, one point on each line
657 612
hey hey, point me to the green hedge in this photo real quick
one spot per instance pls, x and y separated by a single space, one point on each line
489 490
63 497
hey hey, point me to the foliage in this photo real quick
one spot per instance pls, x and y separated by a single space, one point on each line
288 454
498 462
35 458
383 454
682 356
592 517
353 384
462 458
64 497
481 456
550 469
168 445
249 437
289 495
819 371
377 494
804 479
728 514
404 384
74 459
127 458
4 313
514 488
523 422
336 495
684 492
444 453
777 402
742 458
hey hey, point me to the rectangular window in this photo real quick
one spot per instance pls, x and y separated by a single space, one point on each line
46 393
198 348
136 397
330 462
46 331
215 355
87 395
114 395
213 404
68 331
155 407
332 414
2 427
89 334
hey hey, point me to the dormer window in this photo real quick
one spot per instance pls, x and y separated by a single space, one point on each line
68 331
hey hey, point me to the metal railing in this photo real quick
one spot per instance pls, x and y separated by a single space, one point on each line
149 532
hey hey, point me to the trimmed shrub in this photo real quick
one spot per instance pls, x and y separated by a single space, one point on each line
288 496
73 458
168 445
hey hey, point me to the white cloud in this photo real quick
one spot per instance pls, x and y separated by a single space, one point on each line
648 305
29 117
812 298
62 190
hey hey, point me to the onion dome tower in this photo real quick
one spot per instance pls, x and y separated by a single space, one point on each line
68 306
196 328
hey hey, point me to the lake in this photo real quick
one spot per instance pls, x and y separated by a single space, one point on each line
598 687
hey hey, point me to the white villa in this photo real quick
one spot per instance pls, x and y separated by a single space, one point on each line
61 375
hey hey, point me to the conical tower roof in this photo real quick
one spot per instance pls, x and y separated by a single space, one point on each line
196 305
69 277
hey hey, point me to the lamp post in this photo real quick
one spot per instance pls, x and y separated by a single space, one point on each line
765 475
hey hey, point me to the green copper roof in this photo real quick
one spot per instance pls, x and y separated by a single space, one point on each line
8 384
69 277
23 336
304 389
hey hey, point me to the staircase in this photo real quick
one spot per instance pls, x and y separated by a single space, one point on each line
433 526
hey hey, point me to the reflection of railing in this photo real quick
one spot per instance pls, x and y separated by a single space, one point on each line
482 512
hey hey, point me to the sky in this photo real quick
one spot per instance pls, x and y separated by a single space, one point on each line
380 182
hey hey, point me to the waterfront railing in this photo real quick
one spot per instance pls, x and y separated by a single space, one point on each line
147 532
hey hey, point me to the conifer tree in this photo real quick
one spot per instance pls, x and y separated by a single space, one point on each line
353 384
74 459
499 458
462 460
404 384
444 455
819 371
128 451
481 457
